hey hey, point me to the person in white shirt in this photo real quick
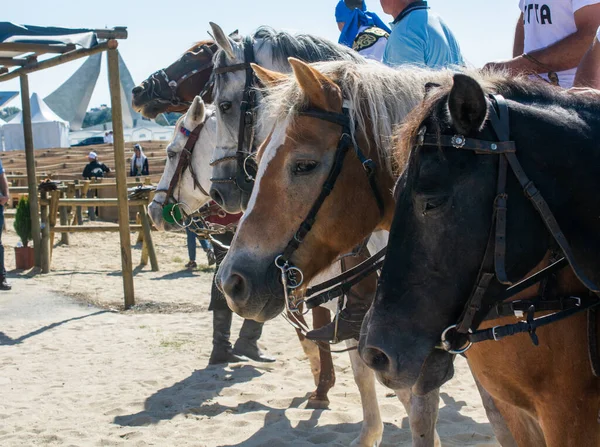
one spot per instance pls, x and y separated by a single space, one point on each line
551 38
588 72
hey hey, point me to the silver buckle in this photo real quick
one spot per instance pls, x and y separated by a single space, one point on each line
458 141
496 337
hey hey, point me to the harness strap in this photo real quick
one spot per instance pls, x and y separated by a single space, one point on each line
543 209
185 162
531 324
520 307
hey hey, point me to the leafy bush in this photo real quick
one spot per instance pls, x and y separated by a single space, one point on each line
23 221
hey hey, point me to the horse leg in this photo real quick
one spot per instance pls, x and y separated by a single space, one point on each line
372 427
319 399
422 416
311 350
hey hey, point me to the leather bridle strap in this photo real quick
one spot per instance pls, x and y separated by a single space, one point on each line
345 142
243 180
341 284
185 159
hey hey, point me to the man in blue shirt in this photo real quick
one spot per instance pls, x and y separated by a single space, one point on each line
3 200
419 37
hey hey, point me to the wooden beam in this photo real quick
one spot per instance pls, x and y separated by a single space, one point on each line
31 177
13 61
121 175
92 228
95 202
58 60
37 48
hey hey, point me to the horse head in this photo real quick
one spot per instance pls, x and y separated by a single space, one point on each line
185 181
172 89
445 215
294 163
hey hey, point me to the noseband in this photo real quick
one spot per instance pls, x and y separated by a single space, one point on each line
291 276
155 82
244 156
493 263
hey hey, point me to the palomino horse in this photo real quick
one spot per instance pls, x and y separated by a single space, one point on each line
323 114
435 290
173 89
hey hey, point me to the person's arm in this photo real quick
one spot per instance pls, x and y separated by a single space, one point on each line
3 189
145 170
105 168
86 173
405 48
588 73
519 43
562 55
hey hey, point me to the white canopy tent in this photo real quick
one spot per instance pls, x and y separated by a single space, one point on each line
49 130
2 123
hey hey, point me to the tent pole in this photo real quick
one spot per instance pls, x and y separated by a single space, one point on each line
121 178
31 176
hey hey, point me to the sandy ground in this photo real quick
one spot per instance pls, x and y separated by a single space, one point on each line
76 371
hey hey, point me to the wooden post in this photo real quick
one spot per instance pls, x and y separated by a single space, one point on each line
45 242
64 220
31 177
148 237
121 176
78 219
54 198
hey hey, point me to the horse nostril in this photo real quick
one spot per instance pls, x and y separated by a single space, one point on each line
137 90
236 287
376 359
216 196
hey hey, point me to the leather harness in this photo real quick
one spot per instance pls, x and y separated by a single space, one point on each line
493 263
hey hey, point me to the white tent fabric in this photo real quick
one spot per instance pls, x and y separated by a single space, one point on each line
49 130
2 123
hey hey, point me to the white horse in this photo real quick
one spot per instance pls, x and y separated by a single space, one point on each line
271 51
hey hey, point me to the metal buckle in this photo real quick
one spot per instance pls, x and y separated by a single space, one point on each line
496 337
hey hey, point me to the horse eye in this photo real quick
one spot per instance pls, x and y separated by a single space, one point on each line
171 154
434 202
304 167
224 106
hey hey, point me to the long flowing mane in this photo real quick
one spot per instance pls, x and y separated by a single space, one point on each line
520 89
282 45
378 97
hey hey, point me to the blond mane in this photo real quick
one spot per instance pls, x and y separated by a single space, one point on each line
378 96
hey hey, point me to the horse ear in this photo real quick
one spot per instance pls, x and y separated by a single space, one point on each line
269 78
321 91
222 41
429 87
195 114
467 104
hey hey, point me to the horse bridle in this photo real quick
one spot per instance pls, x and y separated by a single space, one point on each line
185 162
493 264
246 166
155 81
291 276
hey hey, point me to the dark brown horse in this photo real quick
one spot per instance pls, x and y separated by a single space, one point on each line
173 89
447 199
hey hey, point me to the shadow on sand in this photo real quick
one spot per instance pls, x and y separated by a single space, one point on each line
5 340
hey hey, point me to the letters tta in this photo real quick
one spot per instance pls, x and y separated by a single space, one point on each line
540 13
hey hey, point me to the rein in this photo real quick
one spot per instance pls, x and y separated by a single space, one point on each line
493 263
291 276
155 80
246 166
